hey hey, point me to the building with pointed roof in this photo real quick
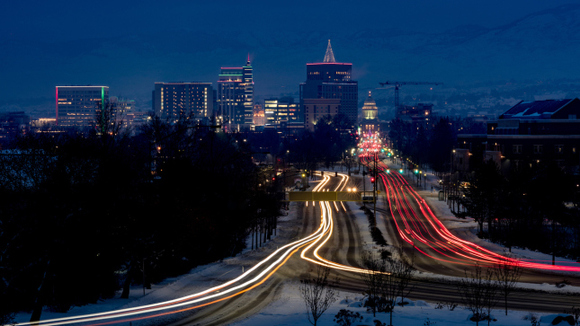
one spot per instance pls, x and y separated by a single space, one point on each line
331 80
329 55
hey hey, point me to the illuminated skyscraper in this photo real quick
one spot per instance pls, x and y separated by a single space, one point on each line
280 111
235 96
192 99
248 84
77 106
331 80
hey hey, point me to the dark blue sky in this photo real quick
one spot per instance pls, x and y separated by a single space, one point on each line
72 20
130 45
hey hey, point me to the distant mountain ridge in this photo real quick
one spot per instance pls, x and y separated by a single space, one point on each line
539 46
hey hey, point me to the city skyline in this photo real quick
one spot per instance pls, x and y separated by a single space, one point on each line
130 60
259 163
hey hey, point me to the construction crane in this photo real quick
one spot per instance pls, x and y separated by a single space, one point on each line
399 84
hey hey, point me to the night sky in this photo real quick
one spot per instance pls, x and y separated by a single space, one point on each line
130 45
73 20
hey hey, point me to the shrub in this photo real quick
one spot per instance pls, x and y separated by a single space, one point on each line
346 317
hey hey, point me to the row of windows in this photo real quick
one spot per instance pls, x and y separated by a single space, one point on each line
85 93
539 149
79 99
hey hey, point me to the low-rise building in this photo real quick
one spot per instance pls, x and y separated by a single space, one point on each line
530 133
316 108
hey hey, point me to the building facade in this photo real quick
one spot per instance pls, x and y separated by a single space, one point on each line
259 115
280 111
418 114
370 116
77 106
190 99
316 108
248 85
235 96
528 134
13 124
331 80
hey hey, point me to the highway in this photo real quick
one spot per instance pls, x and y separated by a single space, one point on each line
228 294
410 222
341 249
328 235
438 289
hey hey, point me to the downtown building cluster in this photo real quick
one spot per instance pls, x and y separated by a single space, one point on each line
228 102
328 90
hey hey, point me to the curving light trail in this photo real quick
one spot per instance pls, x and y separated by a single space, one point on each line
413 226
327 221
417 225
253 277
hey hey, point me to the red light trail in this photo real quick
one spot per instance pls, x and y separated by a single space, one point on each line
422 226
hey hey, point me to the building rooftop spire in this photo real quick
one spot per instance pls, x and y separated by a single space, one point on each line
329 56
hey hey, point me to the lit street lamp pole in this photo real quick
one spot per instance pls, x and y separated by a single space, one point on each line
375 189
364 185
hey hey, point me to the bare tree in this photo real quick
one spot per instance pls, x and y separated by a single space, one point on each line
507 273
349 162
490 295
382 284
478 292
24 169
109 117
318 293
403 269
373 279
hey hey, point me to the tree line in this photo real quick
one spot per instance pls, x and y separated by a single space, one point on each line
531 208
84 214
430 143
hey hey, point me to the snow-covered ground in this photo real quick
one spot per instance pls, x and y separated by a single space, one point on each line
198 279
289 309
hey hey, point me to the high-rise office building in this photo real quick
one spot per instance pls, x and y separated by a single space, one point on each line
77 106
270 111
193 99
235 96
331 80
248 84
230 95
280 111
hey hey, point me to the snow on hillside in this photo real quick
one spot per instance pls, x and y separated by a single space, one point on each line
541 46
288 308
